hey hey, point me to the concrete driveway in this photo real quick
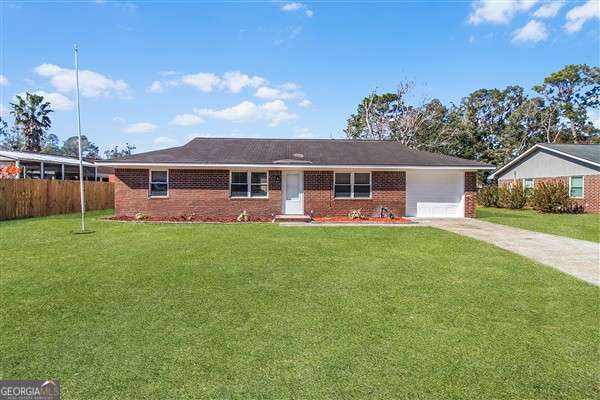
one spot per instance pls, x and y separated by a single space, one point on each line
579 258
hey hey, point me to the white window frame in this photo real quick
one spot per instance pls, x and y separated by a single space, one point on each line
150 183
532 183
352 185
582 186
249 180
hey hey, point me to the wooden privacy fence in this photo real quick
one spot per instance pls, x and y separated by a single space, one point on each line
20 198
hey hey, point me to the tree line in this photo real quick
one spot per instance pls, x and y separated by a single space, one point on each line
489 125
29 132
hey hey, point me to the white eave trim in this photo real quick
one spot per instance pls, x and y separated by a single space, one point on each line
540 146
285 166
8 155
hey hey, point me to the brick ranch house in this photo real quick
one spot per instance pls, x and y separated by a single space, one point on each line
575 165
221 177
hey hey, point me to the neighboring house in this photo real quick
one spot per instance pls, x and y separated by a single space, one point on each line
220 177
575 165
48 166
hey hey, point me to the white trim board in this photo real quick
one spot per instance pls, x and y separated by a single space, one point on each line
285 166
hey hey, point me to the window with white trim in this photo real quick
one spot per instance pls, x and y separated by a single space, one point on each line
576 187
352 185
159 183
528 184
249 184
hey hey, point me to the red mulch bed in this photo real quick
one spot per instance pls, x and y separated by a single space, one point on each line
189 218
370 220
230 220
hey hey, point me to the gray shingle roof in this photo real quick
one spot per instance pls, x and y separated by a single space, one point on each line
590 152
298 152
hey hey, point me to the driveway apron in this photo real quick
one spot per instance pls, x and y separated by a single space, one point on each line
579 258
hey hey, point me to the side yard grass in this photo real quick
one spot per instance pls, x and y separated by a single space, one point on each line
578 226
263 311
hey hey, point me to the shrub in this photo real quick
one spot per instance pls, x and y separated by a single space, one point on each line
553 198
488 196
357 214
243 217
10 171
513 197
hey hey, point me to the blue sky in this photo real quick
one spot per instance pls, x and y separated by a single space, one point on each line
155 74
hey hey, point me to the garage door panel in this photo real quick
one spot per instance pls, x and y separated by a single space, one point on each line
434 194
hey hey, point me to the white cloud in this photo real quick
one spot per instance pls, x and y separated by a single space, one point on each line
298 7
273 112
236 81
165 141
3 80
118 119
204 81
286 91
57 101
156 87
548 10
533 31
498 11
578 16
267 93
289 86
305 103
270 93
187 120
91 84
207 81
139 127
169 73
292 6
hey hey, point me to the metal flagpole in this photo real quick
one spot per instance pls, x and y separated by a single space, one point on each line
81 190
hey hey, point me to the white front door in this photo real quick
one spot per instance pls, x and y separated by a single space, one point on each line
293 193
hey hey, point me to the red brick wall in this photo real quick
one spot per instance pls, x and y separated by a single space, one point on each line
591 190
203 192
388 190
591 193
471 194
206 193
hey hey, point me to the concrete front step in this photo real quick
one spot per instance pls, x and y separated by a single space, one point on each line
292 218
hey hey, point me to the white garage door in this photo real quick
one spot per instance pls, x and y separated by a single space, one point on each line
435 194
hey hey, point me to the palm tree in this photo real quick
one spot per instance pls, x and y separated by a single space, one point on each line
31 115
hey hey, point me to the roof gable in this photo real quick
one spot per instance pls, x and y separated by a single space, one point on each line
585 154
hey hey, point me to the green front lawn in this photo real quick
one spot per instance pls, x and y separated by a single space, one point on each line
262 311
578 226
